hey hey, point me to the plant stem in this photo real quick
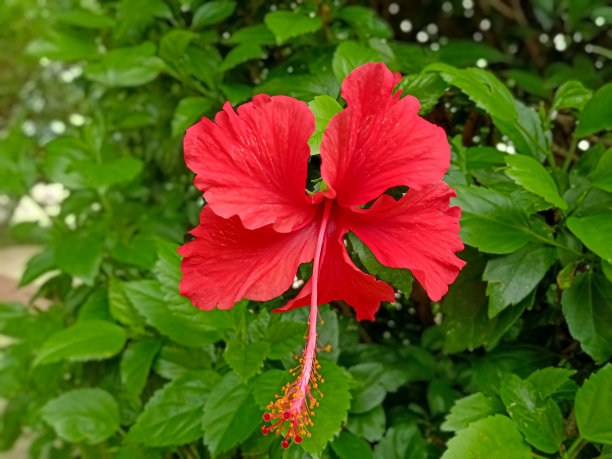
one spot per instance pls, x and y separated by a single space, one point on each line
576 447
570 155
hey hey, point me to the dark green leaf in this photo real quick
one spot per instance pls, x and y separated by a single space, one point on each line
285 24
525 131
602 175
213 12
349 55
349 446
83 415
594 405
463 53
257 34
242 53
136 363
597 113
470 409
173 416
246 359
79 254
370 425
267 385
188 111
365 21
427 87
548 380
284 337
83 341
402 440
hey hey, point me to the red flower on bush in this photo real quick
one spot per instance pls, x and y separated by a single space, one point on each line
260 224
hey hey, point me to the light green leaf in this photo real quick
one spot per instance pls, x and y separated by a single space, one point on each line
323 108
349 55
548 380
188 111
60 156
594 231
37 266
427 87
84 18
83 415
525 131
532 176
593 406
571 94
83 341
597 113
365 22
285 24
267 385
602 175
79 254
136 363
512 277
587 306
246 359
463 53
491 220
98 175
257 34
470 409
68 46
213 12
284 337
173 415
242 53
398 278
402 440
174 361
370 425
495 437
230 414
540 420
120 307
349 446
332 407
482 87
124 67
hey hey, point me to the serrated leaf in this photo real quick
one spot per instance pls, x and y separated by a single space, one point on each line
173 415
267 385
83 341
323 108
495 437
532 176
284 337
136 363
83 415
548 380
332 408
285 24
587 306
230 414
246 359
213 12
470 409
512 277
349 55
593 406
597 113
402 440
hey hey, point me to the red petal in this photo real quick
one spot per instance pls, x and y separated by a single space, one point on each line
254 164
419 232
379 141
227 262
340 279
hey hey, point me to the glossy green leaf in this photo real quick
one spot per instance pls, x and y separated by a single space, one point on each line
597 113
530 174
246 359
286 24
83 415
173 415
594 405
495 437
323 108
602 175
525 131
230 414
349 55
594 231
549 380
83 341
213 12
470 409
242 53
427 87
571 94
587 306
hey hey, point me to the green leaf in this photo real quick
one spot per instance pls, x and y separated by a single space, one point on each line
136 364
370 425
427 87
120 308
597 113
124 67
369 392
323 108
60 156
174 361
593 406
470 409
587 306
284 337
246 359
85 19
230 414
212 12
349 55
512 277
83 341
571 94
83 415
285 24
495 437
482 87
332 407
549 380
257 34
491 220
402 440
398 278
267 385
532 176
463 53
188 111
594 231
68 46
365 22
120 170
602 175
349 446
37 266
79 254
173 415
540 420
525 131
240 54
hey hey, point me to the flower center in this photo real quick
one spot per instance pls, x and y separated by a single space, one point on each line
292 412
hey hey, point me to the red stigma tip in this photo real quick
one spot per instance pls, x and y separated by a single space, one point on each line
267 417
285 444
265 430
286 415
297 439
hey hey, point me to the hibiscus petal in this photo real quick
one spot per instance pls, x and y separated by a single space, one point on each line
419 232
340 279
227 262
379 141
254 163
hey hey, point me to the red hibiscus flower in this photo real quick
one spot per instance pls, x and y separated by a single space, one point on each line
259 223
